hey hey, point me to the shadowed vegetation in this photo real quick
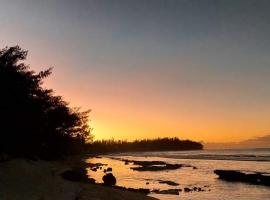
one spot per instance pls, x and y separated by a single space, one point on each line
34 121
159 144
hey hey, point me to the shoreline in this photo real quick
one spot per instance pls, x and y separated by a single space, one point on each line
31 180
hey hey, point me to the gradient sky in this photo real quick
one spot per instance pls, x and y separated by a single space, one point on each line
147 68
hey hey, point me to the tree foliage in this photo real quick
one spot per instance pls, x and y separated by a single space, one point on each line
33 120
158 144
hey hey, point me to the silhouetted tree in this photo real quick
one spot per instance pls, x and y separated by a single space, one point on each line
159 144
33 121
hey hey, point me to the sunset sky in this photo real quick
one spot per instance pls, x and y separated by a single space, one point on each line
196 69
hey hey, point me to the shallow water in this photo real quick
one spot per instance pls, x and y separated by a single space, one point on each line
203 176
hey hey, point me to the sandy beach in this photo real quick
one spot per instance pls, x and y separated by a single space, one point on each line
22 179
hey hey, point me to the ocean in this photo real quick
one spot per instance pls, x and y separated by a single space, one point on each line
201 174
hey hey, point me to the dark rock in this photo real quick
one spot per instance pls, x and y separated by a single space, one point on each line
94 169
109 169
194 167
200 190
140 190
147 183
157 167
169 191
151 165
96 164
187 189
109 179
168 183
237 176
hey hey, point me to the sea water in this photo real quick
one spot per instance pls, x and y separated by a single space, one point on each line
205 162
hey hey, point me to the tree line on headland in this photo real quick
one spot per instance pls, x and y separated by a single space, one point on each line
158 144
36 123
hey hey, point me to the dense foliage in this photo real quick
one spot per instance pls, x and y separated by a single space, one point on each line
159 144
33 121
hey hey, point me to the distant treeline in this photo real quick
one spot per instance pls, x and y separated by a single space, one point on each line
159 144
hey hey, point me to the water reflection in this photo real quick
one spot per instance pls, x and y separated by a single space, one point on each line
203 176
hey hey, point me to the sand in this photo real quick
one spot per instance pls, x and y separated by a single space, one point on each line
22 179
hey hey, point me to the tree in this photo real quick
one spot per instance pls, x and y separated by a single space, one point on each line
33 121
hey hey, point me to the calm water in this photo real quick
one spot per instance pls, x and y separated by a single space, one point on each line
206 162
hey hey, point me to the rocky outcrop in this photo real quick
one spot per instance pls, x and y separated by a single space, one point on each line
238 176
154 166
109 179
171 183
150 165
169 191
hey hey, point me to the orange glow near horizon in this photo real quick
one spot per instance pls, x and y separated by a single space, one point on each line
126 114
114 118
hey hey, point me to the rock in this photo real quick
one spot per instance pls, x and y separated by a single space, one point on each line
200 190
168 183
237 176
91 165
169 191
194 167
95 166
187 189
94 169
109 179
151 165
147 183
157 167
109 169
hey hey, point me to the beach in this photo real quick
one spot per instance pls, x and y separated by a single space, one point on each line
23 179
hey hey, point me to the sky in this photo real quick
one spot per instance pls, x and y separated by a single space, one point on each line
152 68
